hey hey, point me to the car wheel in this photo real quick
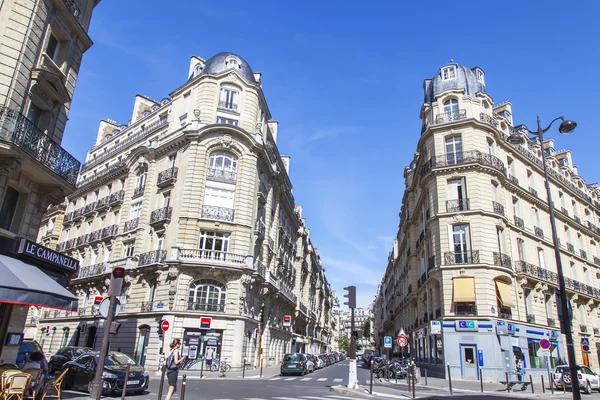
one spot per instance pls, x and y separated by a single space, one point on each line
588 388
566 378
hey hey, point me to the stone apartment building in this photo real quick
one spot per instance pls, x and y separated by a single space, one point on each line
361 314
472 276
192 197
42 43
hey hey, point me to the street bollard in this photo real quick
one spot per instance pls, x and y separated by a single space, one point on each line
244 369
183 387
481 379
371 381
125 381
531 383
425 376
261 365
414 373
507 383
449 379
162 382
201 367
543 386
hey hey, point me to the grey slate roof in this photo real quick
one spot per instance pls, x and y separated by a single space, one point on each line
465 79
216 65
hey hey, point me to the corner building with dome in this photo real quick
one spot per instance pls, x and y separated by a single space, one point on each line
194 199
472 275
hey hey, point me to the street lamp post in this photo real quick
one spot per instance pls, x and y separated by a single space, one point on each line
566 126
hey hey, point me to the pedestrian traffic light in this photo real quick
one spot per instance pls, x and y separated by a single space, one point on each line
159 330
116 281
351 295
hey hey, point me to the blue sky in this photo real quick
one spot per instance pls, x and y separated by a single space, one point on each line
344 79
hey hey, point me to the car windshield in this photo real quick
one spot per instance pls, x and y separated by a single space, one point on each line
27 347
79 352
116 359
291 357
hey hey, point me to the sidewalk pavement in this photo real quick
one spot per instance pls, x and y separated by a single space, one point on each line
250 373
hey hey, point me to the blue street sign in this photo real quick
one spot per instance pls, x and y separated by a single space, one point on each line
585 340
387 342
480 357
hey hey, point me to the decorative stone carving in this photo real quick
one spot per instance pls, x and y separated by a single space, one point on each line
226 141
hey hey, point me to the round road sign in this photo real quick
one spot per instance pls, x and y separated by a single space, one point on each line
544 344
585 348
402 341
164 325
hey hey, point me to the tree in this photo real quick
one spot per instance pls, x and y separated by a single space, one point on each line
366 328
358 346
344 343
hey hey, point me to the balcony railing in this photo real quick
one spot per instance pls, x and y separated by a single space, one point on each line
461 257
450 116
116 197
457 205
539 232
221 174
82 240
206 307
498 208
138 192
570 248
465 310
596 260
564 211
102 203
93 270
78 213
502 260
227 106
110 231
260 268
533 191
551 322
488 120
531 318
513 179
431 265
523 267
161 215
104 172
262 189
260 228
287 292
152 257
167 176
583 328
18 130
583 253
95 236
596 331
576 218
505 313
89 208
303 308
220 213
220 257
464 157
131 224
74 9
519 222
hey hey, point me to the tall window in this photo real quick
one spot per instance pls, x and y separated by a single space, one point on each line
160 242
34 114
511 166
580 241
575 209
128 249
500 239
454 150
141 179
135 210
451 106
541 258
207 295
186 104
52 47
166 199
528 302
172 160
567 234
228 98
536 216
549 307
457 195
521 249
462 243
142 343
530 180
516 209
222 161
9 207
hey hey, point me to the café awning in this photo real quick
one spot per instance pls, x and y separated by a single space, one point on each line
26 284
464 290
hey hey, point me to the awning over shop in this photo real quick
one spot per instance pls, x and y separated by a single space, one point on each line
26 284
464 290
504 294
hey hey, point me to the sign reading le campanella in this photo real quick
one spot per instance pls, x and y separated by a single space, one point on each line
49 256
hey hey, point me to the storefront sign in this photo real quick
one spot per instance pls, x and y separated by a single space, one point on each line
554 334
512 328
205 322
480 357
40 253
465 326
287 320
501 328
436 327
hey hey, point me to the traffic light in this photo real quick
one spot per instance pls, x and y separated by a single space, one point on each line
351 295
114 327
116 281
159 330
356 335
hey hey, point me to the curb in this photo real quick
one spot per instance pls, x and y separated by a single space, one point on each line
359 393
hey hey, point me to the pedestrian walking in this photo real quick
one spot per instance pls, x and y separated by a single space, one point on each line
173 362
210 352
520 371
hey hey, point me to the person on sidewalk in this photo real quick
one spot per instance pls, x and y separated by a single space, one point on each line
173 362
210 352
519 368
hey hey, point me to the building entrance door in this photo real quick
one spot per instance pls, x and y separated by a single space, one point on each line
469 369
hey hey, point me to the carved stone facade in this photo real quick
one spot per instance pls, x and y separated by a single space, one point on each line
191 200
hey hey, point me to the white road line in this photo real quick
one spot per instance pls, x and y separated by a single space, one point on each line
254 398
338 380
312 397
340 397
286 398
321 379
275 379
290 379
306 379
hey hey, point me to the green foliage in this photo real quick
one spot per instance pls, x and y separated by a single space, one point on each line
358 346
366 328
344 343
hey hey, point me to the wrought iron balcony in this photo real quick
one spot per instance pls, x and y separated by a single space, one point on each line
221 174
18 130
583 328
95 236
263 191
68 218
465 157
287 292
533 191
260 229
583 253
531 318
152 257
570 248
513 179
161 215
82 240
94 270
110 231
488 120
465 309
102 203
116 197
206 307
77 214
522 267
227 106
131 224
422 279
505 313
167 176
104 172
576 218
89 208
138 192
260 268
220 213
450 116
431 265
457 205
539 232
564 211
461 257
551 322
596 260
498 208
74 9
502 260
597 331
519 222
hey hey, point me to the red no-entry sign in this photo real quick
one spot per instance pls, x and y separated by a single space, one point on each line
402 341
164 325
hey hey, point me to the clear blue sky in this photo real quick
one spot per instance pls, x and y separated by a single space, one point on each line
344 79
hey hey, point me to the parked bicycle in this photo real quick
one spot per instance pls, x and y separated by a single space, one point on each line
220 366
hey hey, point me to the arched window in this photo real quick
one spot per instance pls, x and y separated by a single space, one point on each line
207 295
223 161
451 106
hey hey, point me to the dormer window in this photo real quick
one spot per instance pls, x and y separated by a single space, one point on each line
480 76
197 70
449 72
232 62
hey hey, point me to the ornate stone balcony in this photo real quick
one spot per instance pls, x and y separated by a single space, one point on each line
138 192
206 307
161 215
220 213
19 131
131 224
457 205
502 260
116 198
488 120
450 116
110 231
519 222
210 257
152 257
462 257
167 176
221 175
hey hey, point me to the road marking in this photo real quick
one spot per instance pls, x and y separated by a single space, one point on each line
275 379
321 379
338 380
285 398
254 398
341 397
306 379
290 379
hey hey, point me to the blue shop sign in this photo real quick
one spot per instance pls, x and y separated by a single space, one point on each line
511 328
466 325
480 357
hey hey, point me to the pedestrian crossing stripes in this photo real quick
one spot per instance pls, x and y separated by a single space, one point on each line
303 379
298 397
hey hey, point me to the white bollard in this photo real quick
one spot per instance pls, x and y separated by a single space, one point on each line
352 375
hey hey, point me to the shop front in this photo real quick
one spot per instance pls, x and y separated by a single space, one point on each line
32 275
196 343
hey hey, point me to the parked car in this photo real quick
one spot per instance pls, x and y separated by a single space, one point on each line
64 355
83 369
311 365
320 363
588 379
294 363
27 347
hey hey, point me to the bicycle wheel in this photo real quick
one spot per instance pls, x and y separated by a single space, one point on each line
227 368
214 367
